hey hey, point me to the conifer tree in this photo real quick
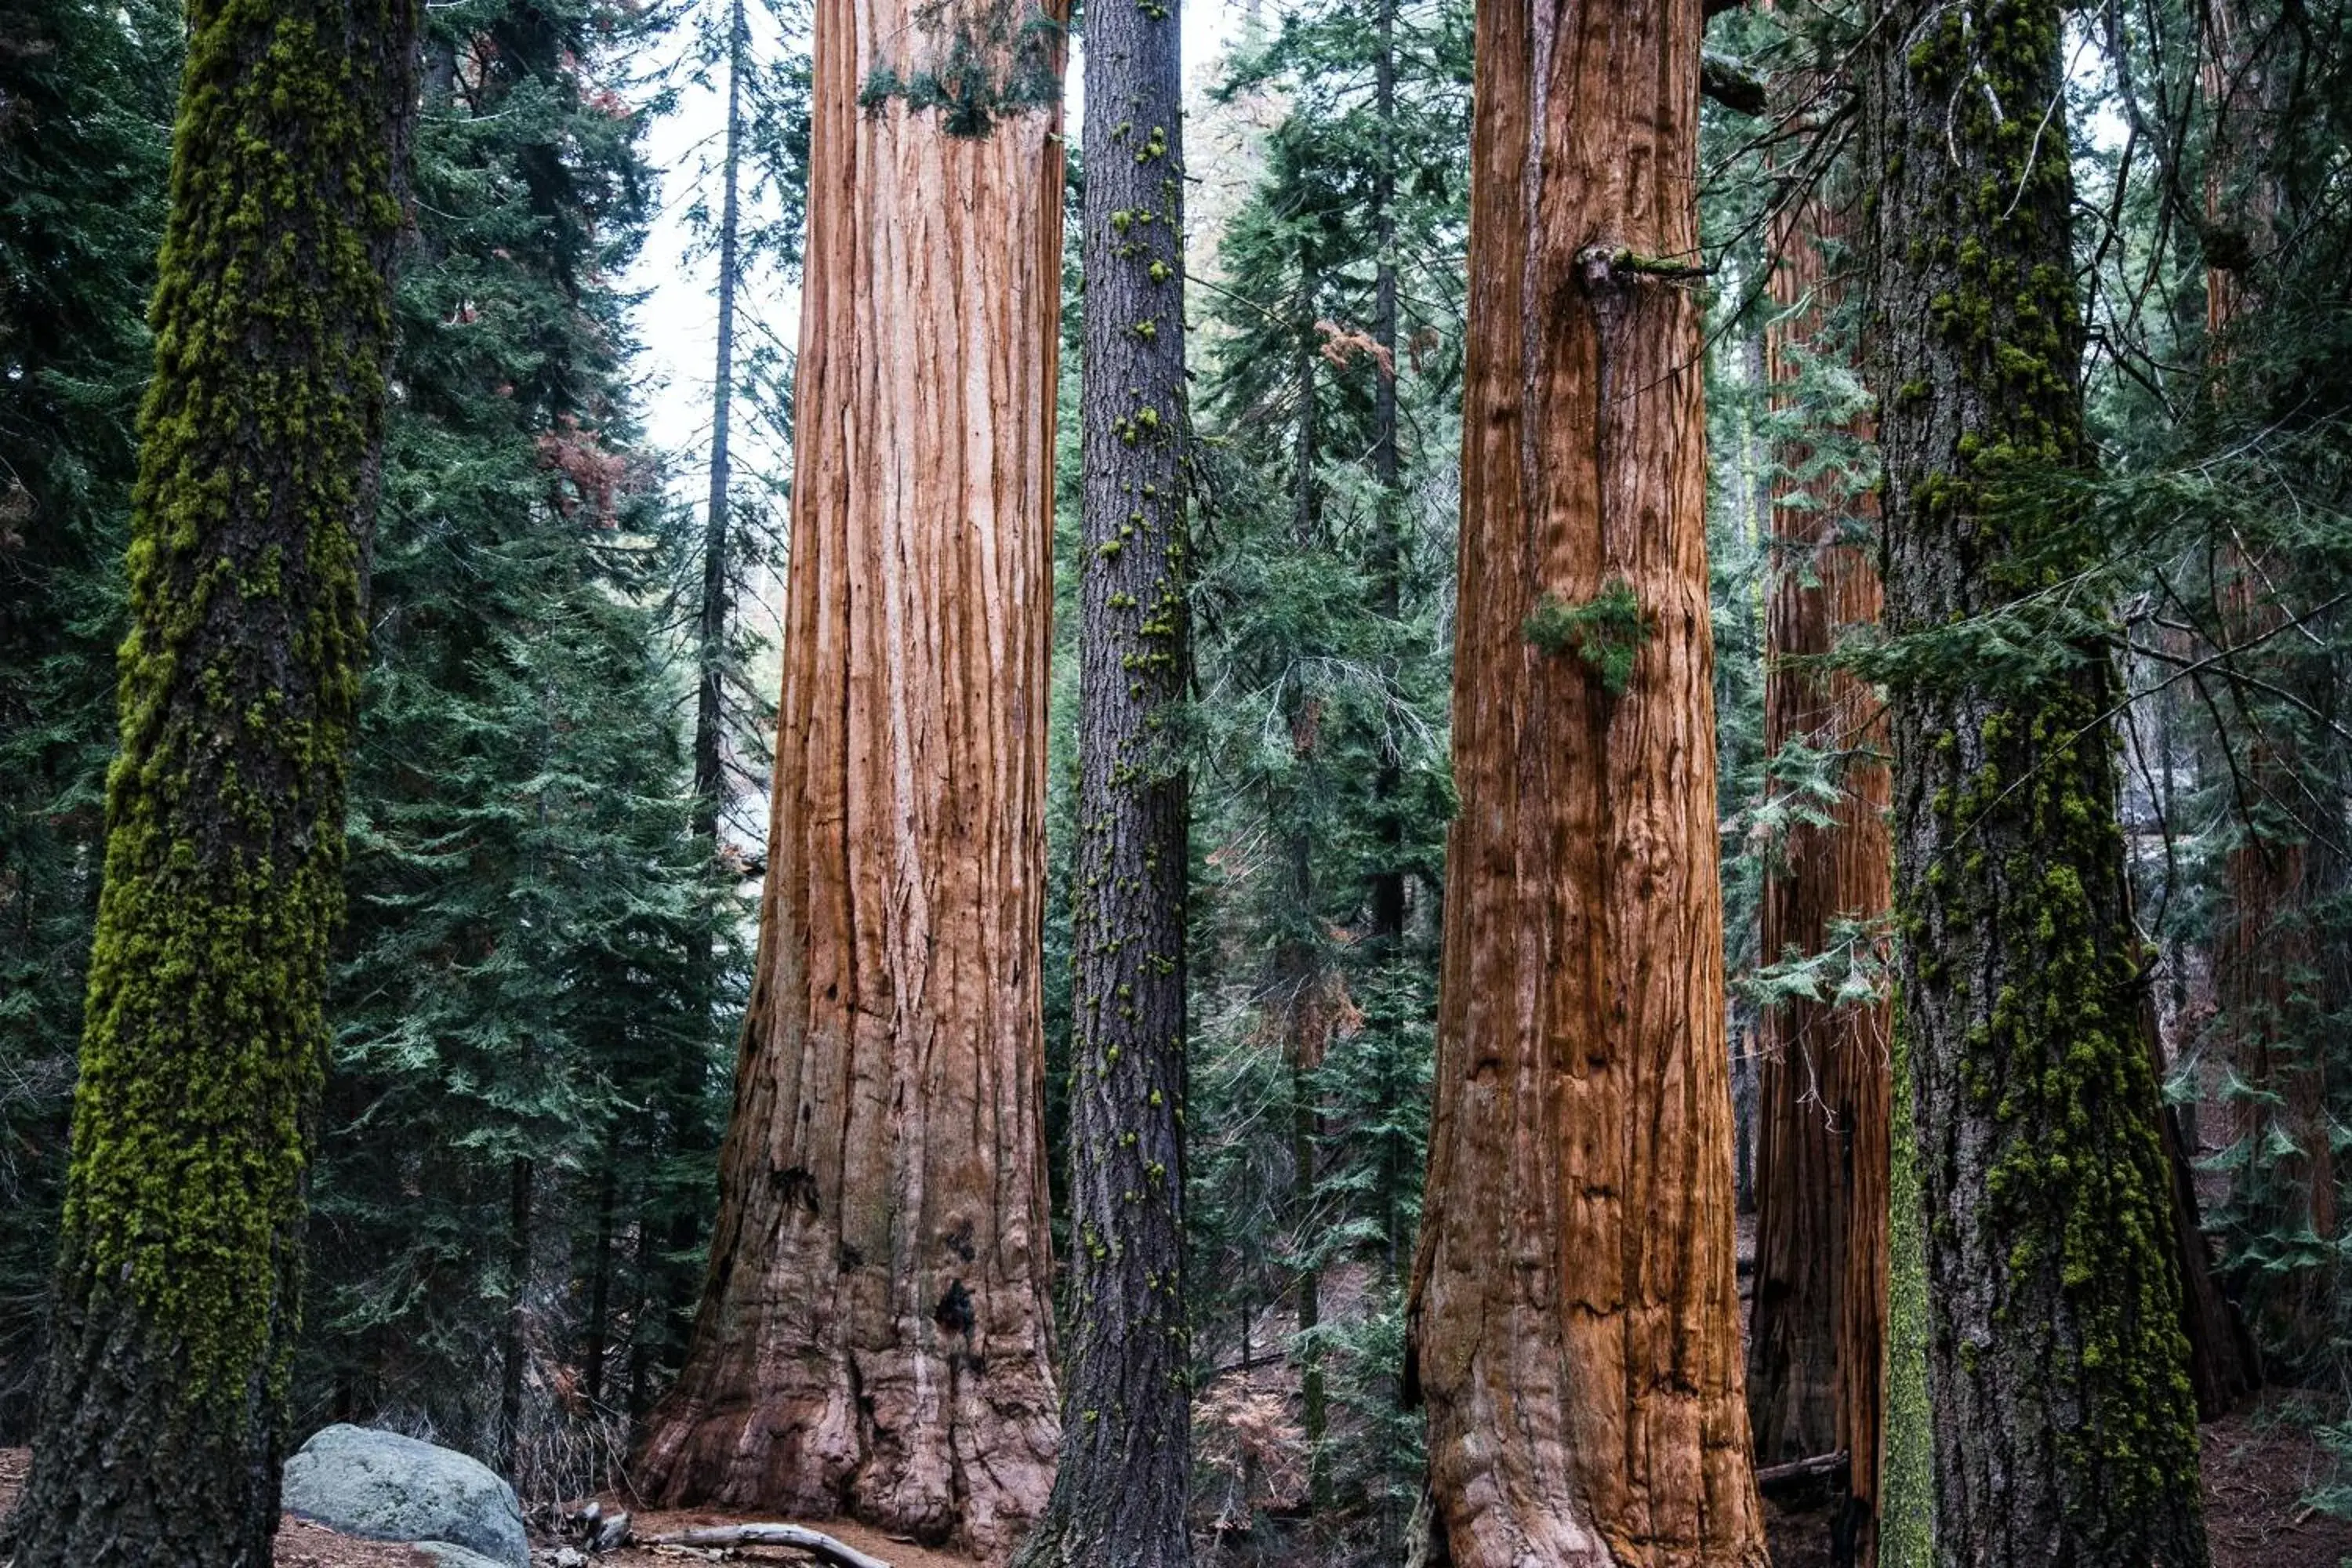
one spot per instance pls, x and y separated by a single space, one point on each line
179 1279
1120 1494
85 108
2065 1426
1333 341
496 1191
2265 963
1817 1341
1575 1264
875 1331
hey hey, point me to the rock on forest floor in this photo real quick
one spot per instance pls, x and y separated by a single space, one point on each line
301 1543
2259 1466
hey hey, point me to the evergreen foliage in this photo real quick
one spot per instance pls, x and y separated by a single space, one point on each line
505 1136
1324 668
85 112
516 1013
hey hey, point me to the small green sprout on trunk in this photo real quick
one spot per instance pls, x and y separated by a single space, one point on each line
1605 632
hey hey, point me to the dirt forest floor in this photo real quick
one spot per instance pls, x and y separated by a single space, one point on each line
2260 1467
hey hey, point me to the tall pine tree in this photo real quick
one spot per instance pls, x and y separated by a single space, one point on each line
497 1192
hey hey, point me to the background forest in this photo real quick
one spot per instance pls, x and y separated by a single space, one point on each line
557 805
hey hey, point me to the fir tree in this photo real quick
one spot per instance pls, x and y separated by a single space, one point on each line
1335 336
517 1007
85 109
161 1427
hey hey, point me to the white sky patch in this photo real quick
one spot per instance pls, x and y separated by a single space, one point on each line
678 322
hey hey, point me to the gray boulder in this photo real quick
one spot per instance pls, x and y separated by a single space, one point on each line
448 1556
384 1486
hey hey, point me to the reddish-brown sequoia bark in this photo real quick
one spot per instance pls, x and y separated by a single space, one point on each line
1576 1332
875 1336
1817 1342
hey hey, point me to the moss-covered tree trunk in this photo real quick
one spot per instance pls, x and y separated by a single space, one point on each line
1120 1496
2065 1429
161 1427
1817 1340
1906 1455
876 1334
1576 1322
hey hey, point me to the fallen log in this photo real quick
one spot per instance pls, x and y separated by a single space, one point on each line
1795 1474
813 1542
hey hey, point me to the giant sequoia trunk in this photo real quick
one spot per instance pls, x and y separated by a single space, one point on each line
2065 1430
1120 1496
161 1427
1575 1327
1817 1341
875 1335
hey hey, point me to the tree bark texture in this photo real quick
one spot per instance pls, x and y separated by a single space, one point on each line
1817 1339
1906 1455
162 1424
1120 1498
2065 1429
874 1337
2266 965
1575 1317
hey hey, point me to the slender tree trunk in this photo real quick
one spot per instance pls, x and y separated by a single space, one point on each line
600 1283
2065 1427
1301 964
2224 1366
709 710
645 1339
1388 890
1120 1496
514 1340
1576 1320
162 1424
1817 1339
690 1141
1305 1133
874 1337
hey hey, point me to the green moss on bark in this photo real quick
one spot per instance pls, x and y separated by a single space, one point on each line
2065 1422
179 1270
1907 1505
